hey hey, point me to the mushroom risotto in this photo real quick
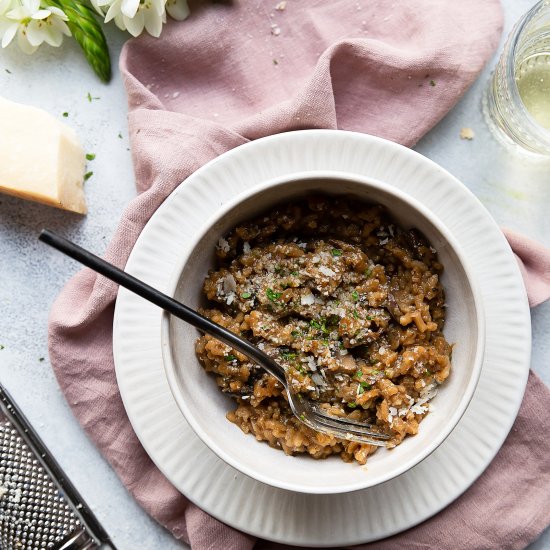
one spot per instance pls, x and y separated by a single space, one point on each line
348 302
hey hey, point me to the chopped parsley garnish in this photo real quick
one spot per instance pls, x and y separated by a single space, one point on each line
295 333
369 318
246 295
303 416
65 114
272 295
88 175
278 269
360 390
355 314
368 272
295 273
90 156
230 358
288 355
355 295
41 359
427 372
89 96
359 373
352 404
365 386
336 252
315 324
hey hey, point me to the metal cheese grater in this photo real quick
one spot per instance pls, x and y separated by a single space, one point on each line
39 506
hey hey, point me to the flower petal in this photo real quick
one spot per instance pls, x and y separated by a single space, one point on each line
177 9
17 13
61 26
5 5
135 24
58 12
119 22
23 43
31 5
113 11
9 34
40 14
53 37
36 33
158 6
153 22
129 7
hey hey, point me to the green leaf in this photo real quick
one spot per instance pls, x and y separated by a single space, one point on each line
336 252
272 295
90 156
86 30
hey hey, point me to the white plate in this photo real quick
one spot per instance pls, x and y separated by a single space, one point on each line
322 520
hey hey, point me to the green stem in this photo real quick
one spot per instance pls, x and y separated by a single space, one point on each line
87 32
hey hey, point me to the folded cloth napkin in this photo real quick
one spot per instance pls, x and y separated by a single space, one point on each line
240 70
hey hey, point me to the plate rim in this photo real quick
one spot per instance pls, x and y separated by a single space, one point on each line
505 249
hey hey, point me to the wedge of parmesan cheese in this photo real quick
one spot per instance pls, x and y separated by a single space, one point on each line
41 158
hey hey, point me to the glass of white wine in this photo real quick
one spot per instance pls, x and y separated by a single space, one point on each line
517 100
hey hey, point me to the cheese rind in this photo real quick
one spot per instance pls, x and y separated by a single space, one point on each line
41 158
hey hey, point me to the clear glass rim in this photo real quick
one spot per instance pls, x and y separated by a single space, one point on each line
540 133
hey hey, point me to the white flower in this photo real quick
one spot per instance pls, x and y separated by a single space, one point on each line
177 9
33 25
135 15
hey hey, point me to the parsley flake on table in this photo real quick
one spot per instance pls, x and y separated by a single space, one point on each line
65 114
90 156
88 175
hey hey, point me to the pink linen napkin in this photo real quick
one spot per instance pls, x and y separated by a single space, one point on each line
241 70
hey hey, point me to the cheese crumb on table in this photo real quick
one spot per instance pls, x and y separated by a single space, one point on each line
467 133
41 158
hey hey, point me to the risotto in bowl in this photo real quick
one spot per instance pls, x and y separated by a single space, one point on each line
362 296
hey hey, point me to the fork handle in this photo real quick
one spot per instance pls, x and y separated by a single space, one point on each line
165 302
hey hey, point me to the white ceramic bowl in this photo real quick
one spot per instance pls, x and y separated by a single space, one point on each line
205 407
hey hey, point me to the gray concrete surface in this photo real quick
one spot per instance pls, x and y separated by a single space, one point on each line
516 192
